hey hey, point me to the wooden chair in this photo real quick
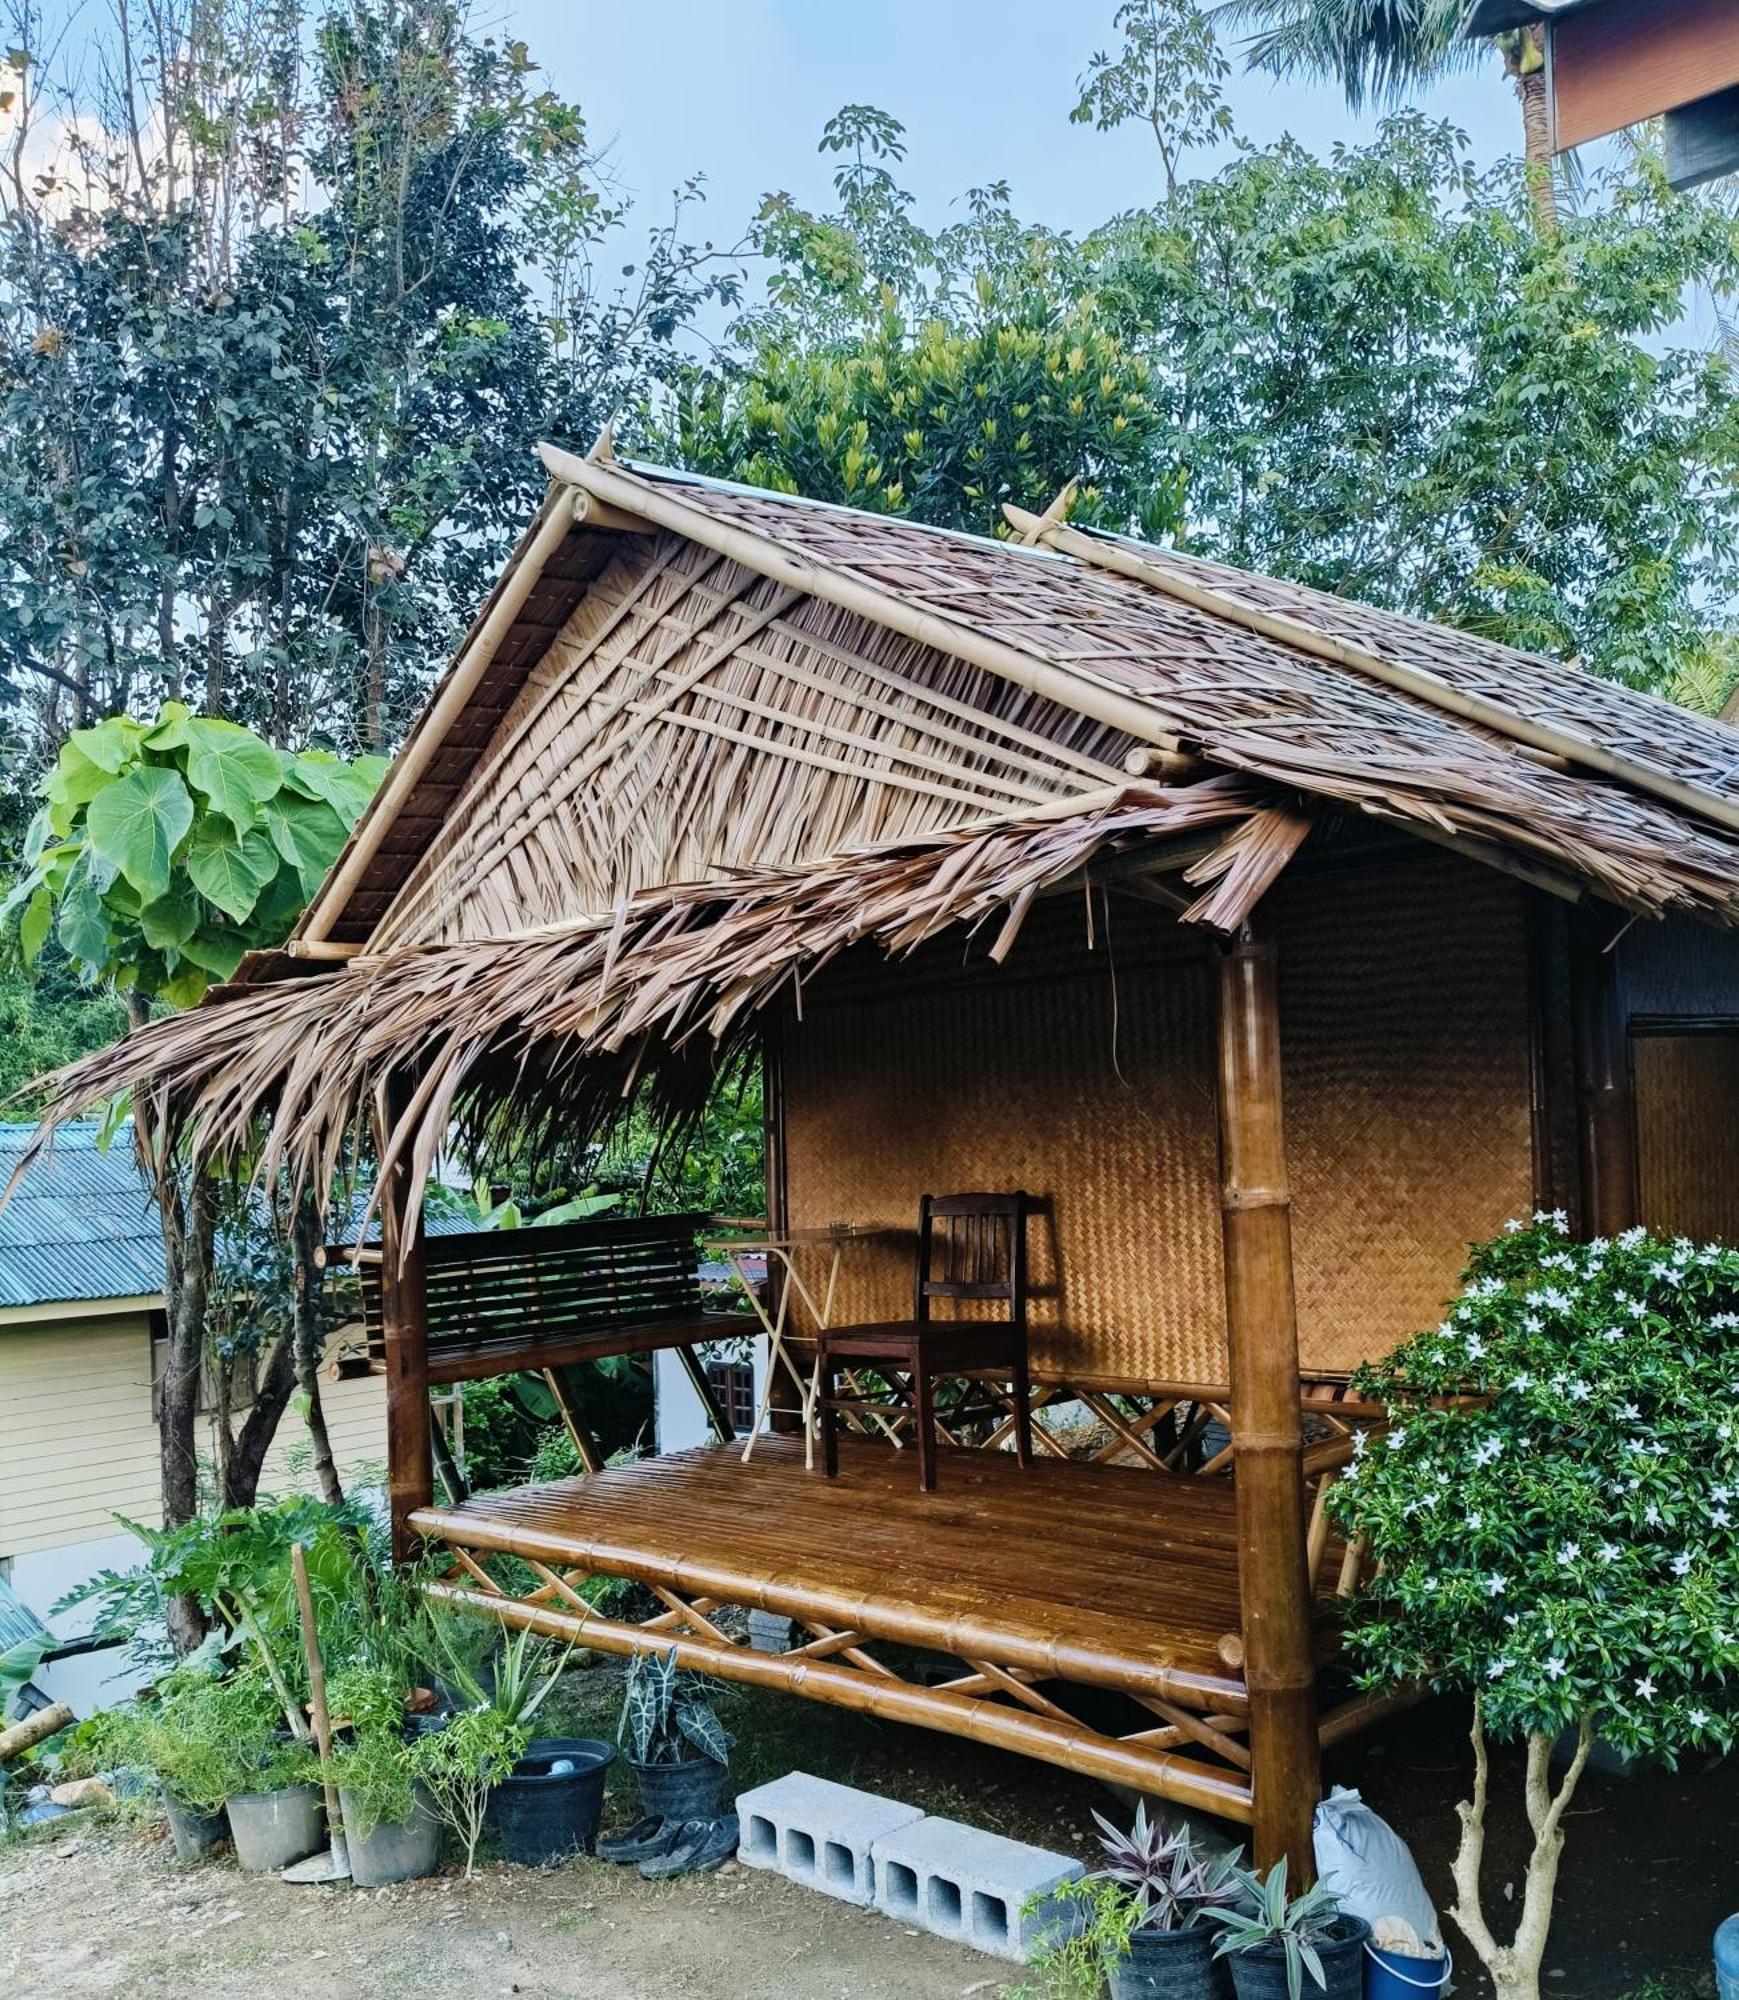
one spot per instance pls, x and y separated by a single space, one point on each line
970 1246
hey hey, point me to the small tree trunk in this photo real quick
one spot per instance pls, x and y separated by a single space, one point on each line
1514 1968
306 1336
254 1439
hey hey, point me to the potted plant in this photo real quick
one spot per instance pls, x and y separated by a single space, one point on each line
180 1738
678 1752
276 1810
391 1827
1275 1940
1160 1945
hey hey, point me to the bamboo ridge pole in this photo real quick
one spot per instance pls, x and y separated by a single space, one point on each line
1267 1435
1605 1103
663 506
1537 740
454 692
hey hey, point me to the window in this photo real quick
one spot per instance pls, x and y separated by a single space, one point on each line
733 1383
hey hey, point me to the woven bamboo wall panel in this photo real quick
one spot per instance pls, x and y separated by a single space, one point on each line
1687 1134
1404 1033
1405 1038
1085 1077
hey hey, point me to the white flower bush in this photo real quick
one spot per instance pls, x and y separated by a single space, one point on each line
1551 1520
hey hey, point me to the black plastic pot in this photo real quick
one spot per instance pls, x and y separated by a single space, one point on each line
692 1789
1260 1974
1171 1965
195 1834
539 1818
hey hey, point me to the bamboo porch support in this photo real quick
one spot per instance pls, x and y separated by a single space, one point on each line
1267 1435
1605 1106
409 1419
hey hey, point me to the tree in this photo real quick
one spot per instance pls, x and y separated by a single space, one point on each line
162 852
1554 1534
1385 48
1379 380
929 375
1168 76
280 321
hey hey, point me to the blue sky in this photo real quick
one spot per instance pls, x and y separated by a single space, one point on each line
741 88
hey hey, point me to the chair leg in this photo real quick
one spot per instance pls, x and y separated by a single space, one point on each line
1023 1420
924 1411
829 1420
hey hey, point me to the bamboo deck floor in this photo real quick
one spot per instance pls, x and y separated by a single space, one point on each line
1095 1574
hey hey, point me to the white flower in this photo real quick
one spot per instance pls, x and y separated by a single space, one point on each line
1633 1236
1512 1619
1533 1322
1495 1584
1631 1413
1652 1515
1613 1335
1488 1449
1720 1517
1522 1381
1360 1441
1557 1667
1475 1521
1568 1554
1513 1227
1580 1392
1475 1347
1610 1552
1599 1245
1680 1565
1646 1688
1498 1669
1698 1718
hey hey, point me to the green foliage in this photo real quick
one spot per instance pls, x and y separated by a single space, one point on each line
1564 1543
461 1764
48 1020
1167 75
1298 1924
1158 1869
17 1664
1372 48
208 1739
667 1713
269 439
165 850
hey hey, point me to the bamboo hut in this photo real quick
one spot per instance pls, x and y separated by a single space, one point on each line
1053 863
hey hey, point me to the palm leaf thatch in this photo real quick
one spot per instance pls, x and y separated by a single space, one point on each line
551 1034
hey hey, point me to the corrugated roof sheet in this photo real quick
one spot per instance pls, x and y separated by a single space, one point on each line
81 1224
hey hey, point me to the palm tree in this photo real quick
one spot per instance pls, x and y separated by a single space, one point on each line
1383 48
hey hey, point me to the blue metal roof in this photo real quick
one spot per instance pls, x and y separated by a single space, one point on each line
81 1224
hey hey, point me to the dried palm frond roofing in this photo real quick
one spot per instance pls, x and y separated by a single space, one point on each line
553 1029
703 736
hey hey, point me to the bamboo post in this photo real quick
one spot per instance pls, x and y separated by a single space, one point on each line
1267 1438
404 1323
1605 1107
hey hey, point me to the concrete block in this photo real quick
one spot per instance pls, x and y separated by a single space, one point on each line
818 1833
972 1887
768 1632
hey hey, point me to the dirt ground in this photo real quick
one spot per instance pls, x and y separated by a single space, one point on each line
1648 1873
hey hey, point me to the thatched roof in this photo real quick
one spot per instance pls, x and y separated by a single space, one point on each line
702 738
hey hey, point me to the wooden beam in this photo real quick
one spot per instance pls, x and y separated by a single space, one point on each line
1605 1103
695 1369
410 1465
1267 1434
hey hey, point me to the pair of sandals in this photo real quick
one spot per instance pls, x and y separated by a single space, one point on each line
665 1848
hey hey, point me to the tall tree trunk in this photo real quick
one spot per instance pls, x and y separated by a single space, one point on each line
1525 57
306 1336
189 1225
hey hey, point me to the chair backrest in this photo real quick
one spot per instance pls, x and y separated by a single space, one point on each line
973 1246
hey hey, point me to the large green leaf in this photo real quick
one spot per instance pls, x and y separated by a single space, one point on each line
307 833
137 823
217 954
83 927
317 774
230 869
111 745
74 782
169 920
232 769
33 926
169 731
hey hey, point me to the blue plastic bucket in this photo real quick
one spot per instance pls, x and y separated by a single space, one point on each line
1727 1959
1391 1975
